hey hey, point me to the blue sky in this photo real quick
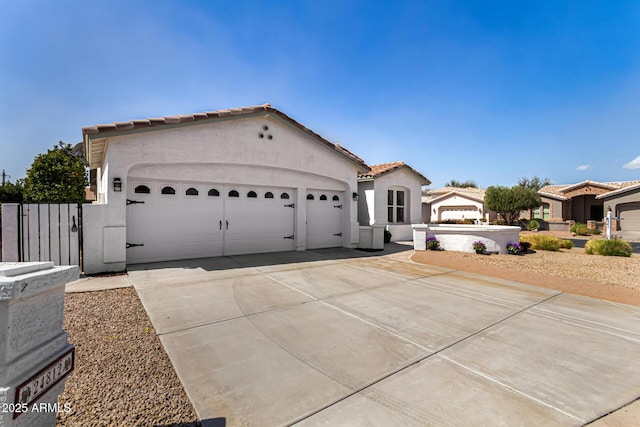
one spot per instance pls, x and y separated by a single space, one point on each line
490 91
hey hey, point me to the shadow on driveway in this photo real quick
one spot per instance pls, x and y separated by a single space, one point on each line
274 258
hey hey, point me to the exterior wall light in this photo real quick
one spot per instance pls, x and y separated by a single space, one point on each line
117 185
355 197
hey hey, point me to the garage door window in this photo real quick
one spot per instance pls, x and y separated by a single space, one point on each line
335 198
310 197
168 190
395 206
213 192
268 195
252 194
142 189
323 197
191 192
234 193
284 196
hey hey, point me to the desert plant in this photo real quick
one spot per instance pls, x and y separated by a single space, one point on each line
566 244
613 247
542 242
579 229
479 246
433 243
514 248
525 245
533 225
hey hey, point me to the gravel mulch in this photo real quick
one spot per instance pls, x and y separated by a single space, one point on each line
611 278
122 376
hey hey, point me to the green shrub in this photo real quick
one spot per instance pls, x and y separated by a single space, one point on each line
566 244
579 229
582 230
533 225
542 242
614 247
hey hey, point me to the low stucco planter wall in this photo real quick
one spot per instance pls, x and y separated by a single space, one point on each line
371 237
460 237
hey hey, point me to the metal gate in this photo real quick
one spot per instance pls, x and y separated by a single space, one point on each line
42 232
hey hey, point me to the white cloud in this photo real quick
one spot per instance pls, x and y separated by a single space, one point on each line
633 164
583 167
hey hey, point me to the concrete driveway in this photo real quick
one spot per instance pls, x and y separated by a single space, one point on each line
336 337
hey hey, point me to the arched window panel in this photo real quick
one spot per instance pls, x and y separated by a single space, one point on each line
213 192
168 190
142 189
191 192
335 198
310 197
284 196
268 195
234 193
323 197
252 194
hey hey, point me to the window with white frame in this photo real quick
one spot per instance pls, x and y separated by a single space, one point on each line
395 206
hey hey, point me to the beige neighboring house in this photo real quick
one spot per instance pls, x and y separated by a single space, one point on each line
389 195
590 200
454 204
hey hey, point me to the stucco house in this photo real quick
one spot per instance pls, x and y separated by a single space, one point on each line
453 204
389 195
225 182
589 201
624 203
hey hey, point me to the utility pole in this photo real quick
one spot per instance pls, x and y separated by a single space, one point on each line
4 176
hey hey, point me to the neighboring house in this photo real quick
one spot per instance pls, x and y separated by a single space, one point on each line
226 182
389 195
453 204
624 203
585 201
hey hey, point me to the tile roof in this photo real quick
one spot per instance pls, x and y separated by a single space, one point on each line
383 168
106 130
558 191
472 193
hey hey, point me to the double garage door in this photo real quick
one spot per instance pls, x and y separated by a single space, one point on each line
169 221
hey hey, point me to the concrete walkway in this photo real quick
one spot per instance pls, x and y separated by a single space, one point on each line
337 338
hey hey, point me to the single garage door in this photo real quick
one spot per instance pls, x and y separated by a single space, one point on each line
324 219
631 214
169 221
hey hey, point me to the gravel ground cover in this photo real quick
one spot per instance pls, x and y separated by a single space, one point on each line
571 264
122 376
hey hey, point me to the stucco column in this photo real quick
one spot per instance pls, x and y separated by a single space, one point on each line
300 228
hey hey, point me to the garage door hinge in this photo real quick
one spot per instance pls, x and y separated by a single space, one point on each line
133 245
134 202
337 206
292 205
288 237
338 234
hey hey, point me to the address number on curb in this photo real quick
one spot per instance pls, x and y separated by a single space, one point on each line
45 379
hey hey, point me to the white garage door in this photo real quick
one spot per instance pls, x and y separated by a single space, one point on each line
169 221
631 214
324 219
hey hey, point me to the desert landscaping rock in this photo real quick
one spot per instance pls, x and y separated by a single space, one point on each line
122 375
